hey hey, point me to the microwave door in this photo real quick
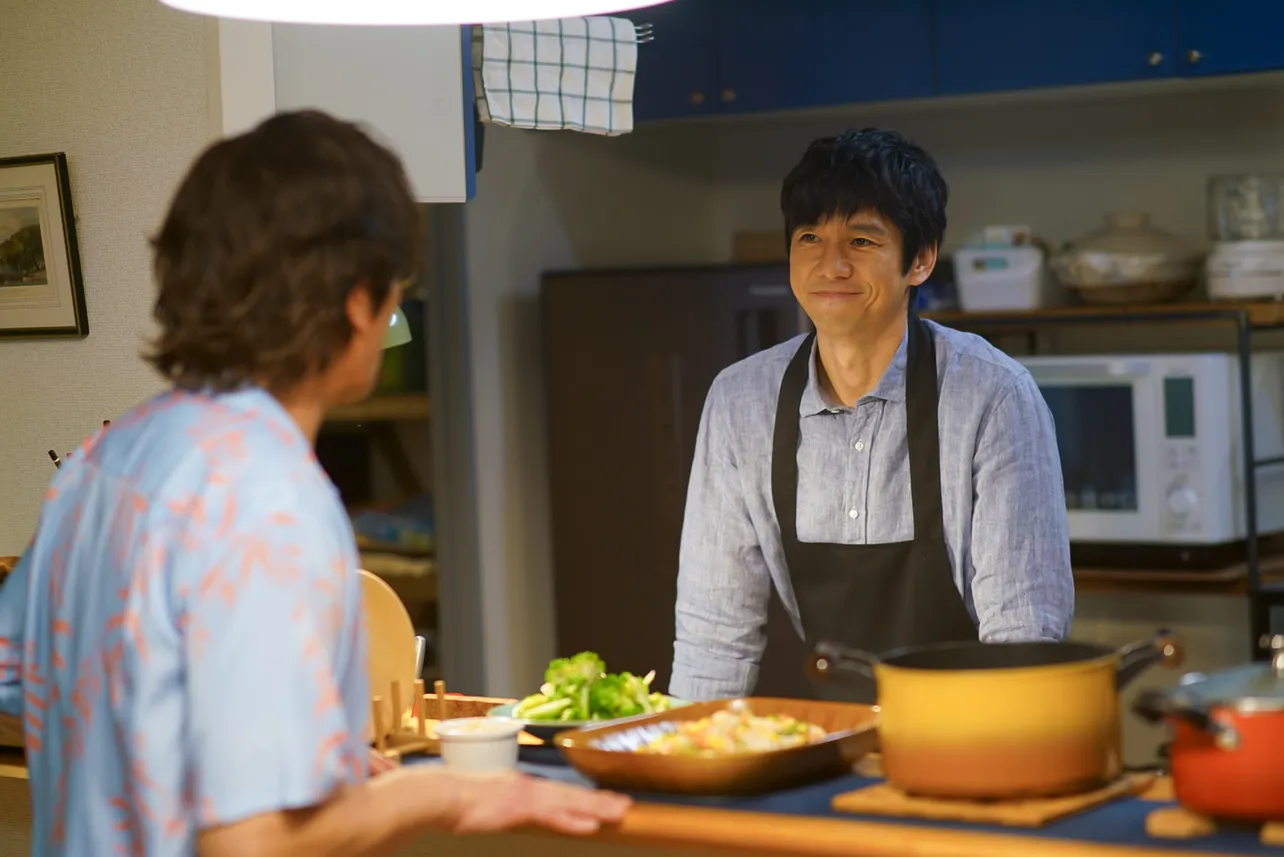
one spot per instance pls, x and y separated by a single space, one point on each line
1100 410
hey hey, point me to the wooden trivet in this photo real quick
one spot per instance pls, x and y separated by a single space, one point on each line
883 799
1160 791
1173 822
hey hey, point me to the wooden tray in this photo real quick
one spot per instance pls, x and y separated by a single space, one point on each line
886 800
606 753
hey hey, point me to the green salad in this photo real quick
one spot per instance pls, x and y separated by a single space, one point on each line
579 689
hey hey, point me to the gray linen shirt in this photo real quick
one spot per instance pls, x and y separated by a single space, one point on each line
1001 489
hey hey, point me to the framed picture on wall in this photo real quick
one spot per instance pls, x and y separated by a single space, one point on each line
42 292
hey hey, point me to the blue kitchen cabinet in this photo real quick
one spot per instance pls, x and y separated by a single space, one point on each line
677 72
775 55
1229 36
763 48
1003 45
862 51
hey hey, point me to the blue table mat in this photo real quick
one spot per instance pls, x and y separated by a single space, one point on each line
1119 822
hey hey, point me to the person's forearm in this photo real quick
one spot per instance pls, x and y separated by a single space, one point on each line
369 820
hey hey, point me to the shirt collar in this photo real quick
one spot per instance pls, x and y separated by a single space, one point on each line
890 388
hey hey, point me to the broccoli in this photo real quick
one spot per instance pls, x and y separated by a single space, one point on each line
579 688
586 667
615 696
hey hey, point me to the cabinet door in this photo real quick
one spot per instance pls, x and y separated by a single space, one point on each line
777 55
1230 36
863 50
1000 45
677 71
764 53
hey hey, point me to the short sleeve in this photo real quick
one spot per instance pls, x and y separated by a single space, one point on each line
268 616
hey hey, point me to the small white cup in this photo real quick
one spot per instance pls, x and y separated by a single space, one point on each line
482 745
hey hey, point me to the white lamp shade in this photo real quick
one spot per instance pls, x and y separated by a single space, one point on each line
398 332
405 12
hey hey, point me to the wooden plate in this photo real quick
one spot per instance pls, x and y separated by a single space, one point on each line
605 754
391 642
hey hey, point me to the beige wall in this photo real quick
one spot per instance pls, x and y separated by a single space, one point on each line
676 194
120 87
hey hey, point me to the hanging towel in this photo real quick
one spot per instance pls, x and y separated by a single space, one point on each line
564 74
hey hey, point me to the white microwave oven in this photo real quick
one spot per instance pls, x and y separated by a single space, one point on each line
1152 449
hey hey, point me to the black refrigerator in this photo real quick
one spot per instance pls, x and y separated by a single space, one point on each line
629 357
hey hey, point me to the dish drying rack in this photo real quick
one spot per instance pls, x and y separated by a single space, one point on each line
418 736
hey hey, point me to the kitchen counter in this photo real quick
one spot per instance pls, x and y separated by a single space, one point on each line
798 822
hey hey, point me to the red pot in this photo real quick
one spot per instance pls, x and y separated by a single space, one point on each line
1227 749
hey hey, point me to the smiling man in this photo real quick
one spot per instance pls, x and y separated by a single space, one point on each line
897 482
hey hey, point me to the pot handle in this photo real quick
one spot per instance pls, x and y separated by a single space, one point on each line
831 659
1156 705
1136 658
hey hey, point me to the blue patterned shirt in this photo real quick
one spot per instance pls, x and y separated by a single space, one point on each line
182 638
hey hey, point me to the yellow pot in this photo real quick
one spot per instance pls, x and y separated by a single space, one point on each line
1001 720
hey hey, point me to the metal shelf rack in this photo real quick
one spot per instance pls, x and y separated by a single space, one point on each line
1246 319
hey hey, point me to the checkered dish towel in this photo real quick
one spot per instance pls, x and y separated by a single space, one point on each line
564 74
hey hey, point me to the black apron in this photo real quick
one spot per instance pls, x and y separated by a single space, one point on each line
874 597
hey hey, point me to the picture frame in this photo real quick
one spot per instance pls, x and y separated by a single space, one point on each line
42 289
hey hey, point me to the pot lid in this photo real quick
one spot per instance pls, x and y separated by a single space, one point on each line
1131 233
1254 686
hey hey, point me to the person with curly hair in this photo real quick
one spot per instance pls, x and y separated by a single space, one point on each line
184 637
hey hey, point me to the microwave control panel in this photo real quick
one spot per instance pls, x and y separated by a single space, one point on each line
1180 459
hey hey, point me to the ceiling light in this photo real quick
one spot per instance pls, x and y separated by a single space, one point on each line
405 12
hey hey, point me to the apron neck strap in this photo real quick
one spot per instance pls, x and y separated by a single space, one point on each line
923 433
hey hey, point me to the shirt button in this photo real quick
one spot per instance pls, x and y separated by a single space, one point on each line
858 445
854 513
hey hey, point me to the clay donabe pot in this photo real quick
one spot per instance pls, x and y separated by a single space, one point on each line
1227 748
999 720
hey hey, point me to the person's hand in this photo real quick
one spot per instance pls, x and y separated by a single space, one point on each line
492 803
380 764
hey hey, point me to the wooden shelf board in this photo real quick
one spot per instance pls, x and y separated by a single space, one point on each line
1260 314
1232 580
402 407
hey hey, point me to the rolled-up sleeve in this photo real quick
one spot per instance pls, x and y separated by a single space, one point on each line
1022 586
724 584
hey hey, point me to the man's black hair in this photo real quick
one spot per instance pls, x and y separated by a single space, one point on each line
868 170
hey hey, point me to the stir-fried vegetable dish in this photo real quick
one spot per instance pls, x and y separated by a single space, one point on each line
726 732
579 689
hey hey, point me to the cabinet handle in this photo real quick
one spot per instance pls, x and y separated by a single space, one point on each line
1193 56
697 98
728 96
1155 58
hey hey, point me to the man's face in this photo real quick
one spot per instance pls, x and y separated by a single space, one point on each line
848 272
